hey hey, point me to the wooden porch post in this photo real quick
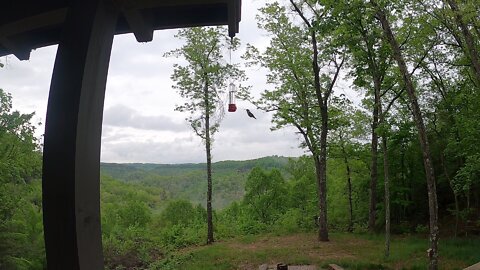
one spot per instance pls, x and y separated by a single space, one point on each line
71 158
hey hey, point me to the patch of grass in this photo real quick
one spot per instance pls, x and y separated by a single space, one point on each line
412 251
347 250
247 239
467 250
211 257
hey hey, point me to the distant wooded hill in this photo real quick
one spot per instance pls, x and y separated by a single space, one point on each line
188 181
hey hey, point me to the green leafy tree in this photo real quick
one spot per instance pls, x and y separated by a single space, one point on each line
370 61
19 156
265 194
451 74
179 212
398 55
202 82
469 41
304 61
348 129
21 231
302 187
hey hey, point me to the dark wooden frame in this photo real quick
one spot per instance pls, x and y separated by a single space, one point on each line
84 31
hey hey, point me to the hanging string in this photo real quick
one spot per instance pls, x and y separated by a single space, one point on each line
230 58
230 51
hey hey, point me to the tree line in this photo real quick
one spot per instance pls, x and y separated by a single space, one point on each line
415 65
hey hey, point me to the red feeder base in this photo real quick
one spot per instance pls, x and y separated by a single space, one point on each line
232 107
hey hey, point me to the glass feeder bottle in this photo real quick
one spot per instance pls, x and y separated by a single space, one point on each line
232 90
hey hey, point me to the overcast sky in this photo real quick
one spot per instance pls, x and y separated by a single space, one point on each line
140 124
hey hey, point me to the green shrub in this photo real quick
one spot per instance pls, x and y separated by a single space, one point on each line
179 236
131 248
179 212
423 229
360 227
289 222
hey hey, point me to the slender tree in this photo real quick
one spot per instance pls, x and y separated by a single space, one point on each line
304 78
202 82
319 23
348 128
422 134
370 63
384 130
451 75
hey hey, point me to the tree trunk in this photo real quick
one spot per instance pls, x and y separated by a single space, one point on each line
471 49
210 239
387 195
386 176
350 204
457 214
374 167
323 231
323 104
417 115
349 189
445 172
467 194
377 84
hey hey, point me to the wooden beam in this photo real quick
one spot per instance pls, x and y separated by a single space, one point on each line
71 156
8 31
144 4
55 17
43 29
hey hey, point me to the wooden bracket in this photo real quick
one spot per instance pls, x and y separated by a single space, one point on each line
139 23
140 26
15 48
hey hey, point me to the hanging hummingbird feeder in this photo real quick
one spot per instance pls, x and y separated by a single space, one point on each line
232 90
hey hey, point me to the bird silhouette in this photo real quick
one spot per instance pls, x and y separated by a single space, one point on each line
250 114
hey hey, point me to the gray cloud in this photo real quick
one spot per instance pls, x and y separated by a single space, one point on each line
144 60
180 150
123 116
187 148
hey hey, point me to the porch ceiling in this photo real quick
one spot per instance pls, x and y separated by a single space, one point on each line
29 24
